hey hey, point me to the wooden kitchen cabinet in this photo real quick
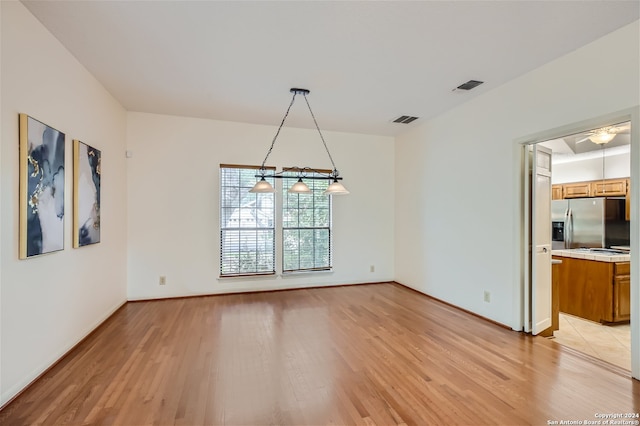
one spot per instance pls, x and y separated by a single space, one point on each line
597 291
594 188
577 190
609 188
622 292
628 201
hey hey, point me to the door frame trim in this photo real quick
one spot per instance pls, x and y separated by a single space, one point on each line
519 151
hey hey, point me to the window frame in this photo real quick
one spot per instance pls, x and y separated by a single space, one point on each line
287 181
224 228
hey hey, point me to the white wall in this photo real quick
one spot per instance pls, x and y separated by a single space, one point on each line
615 166
1 198
51 302
173 200
457 229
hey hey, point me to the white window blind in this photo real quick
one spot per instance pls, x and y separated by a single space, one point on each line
306 226
247 223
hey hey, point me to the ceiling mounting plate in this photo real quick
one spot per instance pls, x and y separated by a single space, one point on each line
299 91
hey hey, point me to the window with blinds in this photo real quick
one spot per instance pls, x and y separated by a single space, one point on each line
306 226
247 223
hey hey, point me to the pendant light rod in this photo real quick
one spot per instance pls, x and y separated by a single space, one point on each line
604 186
302 174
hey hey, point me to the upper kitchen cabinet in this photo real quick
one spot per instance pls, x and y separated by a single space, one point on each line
596 188
628 201
576 190
609 188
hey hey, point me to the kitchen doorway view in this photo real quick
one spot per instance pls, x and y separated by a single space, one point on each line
590 227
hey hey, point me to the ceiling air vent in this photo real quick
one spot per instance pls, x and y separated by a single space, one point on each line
469 85
405 119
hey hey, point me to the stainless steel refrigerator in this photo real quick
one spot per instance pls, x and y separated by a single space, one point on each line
589 222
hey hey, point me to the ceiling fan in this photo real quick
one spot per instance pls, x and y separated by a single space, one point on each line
605 134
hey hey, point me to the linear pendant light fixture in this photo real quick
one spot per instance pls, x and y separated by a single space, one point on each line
335 188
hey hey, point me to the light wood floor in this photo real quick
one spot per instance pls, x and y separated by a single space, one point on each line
370 354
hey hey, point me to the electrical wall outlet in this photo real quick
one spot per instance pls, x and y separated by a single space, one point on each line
372 268
487 296
163 280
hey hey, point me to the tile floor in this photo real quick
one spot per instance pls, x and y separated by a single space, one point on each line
611 343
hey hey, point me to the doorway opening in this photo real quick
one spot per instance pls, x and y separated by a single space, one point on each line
589 225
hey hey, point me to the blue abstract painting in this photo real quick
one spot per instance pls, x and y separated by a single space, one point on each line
86 194
42 184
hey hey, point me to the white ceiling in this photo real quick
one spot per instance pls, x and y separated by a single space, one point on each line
365 62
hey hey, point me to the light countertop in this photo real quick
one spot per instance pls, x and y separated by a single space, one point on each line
582 254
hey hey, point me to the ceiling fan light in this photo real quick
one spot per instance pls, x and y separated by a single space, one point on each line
602 138
262 186
336 188
299 188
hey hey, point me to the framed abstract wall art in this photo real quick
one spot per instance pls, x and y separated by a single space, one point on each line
42 182
86 194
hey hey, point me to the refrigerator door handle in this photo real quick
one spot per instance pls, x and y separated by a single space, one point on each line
570 233
566 229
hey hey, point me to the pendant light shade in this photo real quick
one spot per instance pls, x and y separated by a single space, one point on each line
336 188
262 186
299 188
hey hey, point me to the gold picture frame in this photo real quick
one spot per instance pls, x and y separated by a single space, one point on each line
41 188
